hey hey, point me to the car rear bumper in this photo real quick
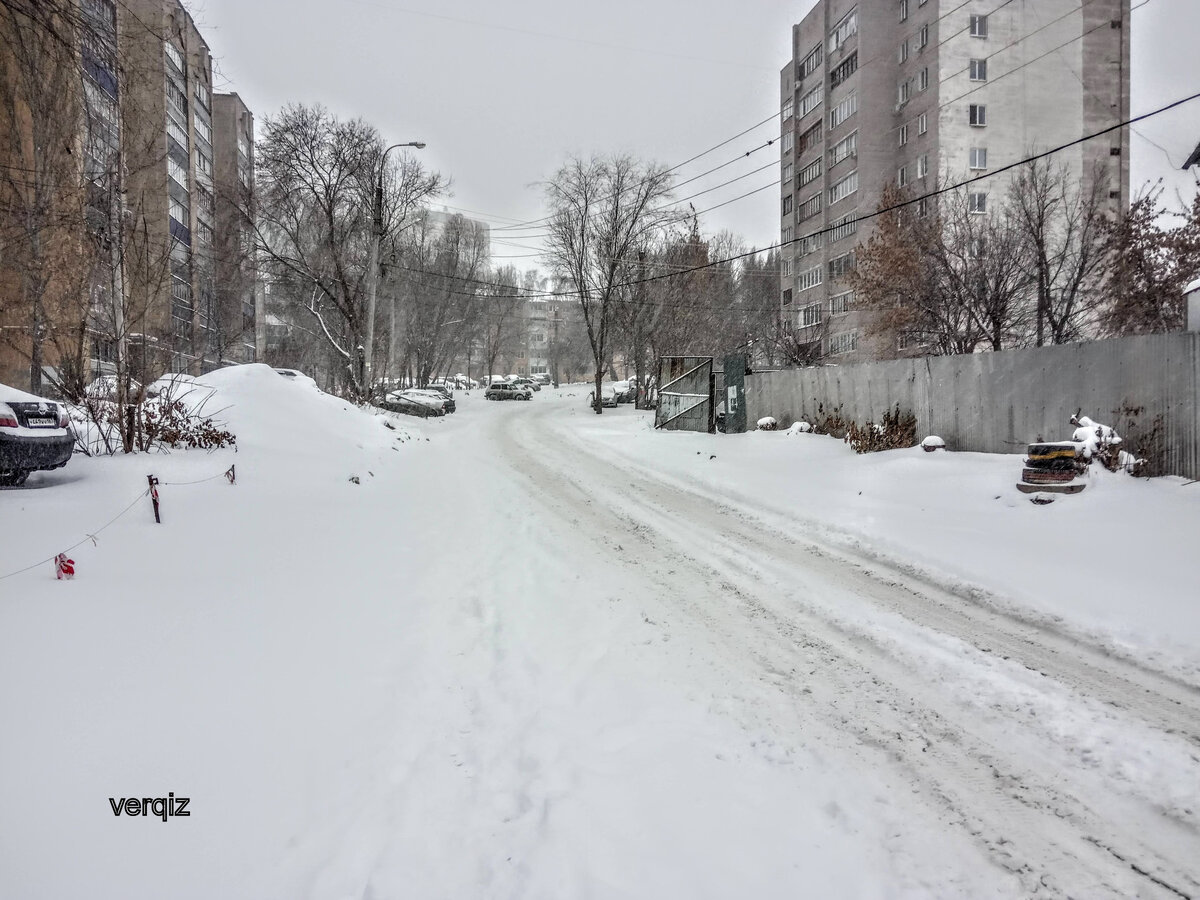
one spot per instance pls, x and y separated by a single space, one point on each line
28 452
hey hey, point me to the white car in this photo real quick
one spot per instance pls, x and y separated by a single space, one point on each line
35 434
432 399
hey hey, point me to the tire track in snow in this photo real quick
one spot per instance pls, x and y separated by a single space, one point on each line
1030 822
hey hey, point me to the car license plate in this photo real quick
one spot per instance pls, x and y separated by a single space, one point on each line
42 423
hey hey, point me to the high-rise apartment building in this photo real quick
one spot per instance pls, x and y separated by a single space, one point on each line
913 92
122 130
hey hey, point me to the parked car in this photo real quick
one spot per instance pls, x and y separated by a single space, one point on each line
504 390
397 402
526 382
542 378
448 394
626 391
429 397
608 397
35 434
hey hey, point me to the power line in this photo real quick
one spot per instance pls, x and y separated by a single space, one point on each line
862 218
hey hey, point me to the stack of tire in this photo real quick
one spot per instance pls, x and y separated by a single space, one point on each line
1052 467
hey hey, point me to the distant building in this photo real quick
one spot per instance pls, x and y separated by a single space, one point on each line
909 91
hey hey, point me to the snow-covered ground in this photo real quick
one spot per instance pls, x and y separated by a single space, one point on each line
533 652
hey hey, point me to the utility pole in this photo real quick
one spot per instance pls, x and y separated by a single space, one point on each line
373 274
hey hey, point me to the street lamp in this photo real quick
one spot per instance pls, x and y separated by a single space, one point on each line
373 274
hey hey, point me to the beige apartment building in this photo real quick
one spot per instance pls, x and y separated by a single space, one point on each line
913 92
157 209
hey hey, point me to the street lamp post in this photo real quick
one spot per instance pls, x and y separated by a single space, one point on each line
373 274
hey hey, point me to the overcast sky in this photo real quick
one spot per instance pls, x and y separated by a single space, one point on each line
503 92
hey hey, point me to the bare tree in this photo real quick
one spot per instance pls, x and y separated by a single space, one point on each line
603 211
1063 226
316 179
1149 265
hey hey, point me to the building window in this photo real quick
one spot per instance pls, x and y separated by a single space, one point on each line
903 135
977 203
979 70
846 342
843 70
922 165
809 138
787 141
810 173
203 163
787 205
923 79
841 303
978 115
808 244
788 109
203 129
904 91
809 278
903 10
843 227
922 123
787 296
788 233
976 248
811 100
841 265
809 208
810 315
843 111
787 268
811 62
902 176
787 173
923 37
846 147
174 55
904 51
923 207
979 157
979 26
177 172
844 188
843 30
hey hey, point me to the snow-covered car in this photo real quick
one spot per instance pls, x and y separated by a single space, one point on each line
105 388
503 390
398 403
430 398
608 397
542 378
442 391
526 383
35 434
626 391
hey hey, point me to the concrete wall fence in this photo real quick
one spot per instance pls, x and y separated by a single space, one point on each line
998 402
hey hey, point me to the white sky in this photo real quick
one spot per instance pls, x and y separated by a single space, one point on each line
502 92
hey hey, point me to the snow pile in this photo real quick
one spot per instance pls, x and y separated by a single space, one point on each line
800 428
767 423
933 442
1103 444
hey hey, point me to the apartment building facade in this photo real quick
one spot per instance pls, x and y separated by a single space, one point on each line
918 92
141 206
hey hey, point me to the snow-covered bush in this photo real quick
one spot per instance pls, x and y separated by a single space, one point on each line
799 428
895 431
933 442
767 423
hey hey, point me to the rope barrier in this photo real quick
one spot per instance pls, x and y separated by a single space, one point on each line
228 474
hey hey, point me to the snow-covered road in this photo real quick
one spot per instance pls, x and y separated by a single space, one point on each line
522 659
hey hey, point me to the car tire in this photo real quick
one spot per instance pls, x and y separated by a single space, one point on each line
13 477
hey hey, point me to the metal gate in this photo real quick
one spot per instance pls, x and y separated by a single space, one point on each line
685 394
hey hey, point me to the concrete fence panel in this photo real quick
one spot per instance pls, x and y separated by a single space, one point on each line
998 402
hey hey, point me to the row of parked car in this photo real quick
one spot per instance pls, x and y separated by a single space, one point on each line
435 400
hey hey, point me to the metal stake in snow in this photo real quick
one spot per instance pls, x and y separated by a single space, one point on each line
154 496
231 474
